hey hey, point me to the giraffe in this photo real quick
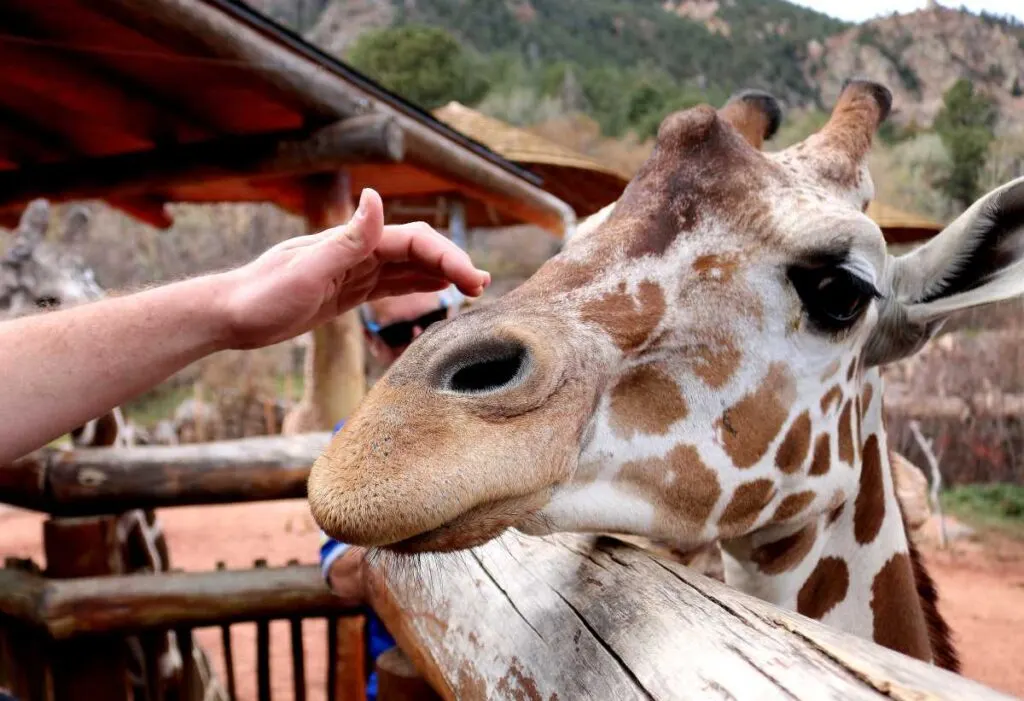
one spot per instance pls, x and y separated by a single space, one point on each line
37 275
703 365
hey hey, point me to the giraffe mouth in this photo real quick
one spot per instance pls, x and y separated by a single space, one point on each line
477 526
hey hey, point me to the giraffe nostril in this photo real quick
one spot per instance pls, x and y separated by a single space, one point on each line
488 368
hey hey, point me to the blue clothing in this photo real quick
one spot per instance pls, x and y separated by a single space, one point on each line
378 639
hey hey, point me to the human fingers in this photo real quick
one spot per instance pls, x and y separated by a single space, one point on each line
396 285
422 247
343 247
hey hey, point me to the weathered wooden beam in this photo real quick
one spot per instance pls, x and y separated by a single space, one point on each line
21 595
112 480
23 482
583 617
134 603
333 93
89 73
370 138
96 668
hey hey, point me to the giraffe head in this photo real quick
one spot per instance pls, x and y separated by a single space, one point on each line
35 274
669 373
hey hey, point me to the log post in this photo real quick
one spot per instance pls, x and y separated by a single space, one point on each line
336 358
24 651
93 667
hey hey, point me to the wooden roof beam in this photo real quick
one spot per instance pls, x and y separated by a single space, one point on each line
371 138
166 115
322 89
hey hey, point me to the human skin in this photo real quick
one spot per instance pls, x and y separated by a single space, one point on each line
65 367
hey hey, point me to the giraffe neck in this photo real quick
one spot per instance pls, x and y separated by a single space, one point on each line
851 567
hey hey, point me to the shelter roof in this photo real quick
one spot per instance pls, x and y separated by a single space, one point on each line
585 183
208 100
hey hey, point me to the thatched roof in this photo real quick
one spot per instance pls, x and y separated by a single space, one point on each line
143 103
586 184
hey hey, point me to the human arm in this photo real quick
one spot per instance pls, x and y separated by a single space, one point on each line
62 368
343 568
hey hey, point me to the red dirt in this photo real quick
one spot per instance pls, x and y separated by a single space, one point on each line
981 587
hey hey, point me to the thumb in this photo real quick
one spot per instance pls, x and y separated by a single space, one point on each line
344 246
363 231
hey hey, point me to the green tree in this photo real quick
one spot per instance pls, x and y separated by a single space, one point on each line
425 65
966 125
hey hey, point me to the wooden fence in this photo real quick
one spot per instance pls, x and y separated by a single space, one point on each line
564 617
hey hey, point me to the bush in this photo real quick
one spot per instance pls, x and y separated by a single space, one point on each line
988 503
965 124
425 65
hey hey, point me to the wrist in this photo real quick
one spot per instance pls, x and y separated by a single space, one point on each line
208 308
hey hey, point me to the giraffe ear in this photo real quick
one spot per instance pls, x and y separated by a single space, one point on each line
976 260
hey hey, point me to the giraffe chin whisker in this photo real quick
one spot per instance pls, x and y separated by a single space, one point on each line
477 526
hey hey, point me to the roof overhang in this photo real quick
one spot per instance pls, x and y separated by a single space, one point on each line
141 104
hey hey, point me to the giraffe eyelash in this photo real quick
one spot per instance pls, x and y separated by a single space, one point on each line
834 297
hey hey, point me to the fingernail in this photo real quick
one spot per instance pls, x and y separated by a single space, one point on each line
361 210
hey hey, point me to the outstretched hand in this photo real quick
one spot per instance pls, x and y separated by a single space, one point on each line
305 281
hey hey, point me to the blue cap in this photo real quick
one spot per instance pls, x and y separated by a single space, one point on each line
337 426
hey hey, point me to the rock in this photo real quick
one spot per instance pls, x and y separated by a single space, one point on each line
911 490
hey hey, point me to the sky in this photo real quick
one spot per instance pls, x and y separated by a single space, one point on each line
859 10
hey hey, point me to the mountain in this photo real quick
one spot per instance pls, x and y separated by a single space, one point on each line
713 46
921 54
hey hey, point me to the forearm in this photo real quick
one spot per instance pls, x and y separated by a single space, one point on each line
60 369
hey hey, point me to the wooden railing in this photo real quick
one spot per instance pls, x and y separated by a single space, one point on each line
68 633
576 617
562 617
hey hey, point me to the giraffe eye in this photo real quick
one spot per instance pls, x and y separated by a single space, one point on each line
833 296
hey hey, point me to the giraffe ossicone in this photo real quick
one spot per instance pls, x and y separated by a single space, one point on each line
699 364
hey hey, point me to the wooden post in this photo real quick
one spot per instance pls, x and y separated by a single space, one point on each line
335 379
24 652
92 667
399 680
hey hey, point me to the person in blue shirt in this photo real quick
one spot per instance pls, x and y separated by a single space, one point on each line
390 324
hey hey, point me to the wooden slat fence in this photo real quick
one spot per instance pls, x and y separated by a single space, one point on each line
563 617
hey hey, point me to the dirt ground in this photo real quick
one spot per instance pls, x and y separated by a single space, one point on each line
981 585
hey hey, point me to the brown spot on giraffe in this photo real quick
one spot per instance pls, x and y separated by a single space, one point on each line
852 370
824 588
845 447
786 553
897 625
792 505
943 650
865 400
869 507
794 447
749 426
830 370
715 268
833 396
680 485
645 400
822 458
627 319
716 360
746 504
